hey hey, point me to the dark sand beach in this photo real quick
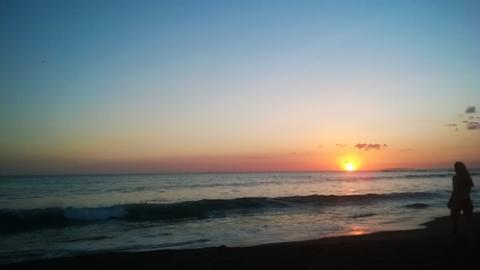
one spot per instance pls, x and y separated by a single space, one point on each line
430 248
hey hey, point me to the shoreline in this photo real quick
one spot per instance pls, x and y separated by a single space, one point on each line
425 248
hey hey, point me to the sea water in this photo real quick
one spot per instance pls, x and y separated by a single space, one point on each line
54 216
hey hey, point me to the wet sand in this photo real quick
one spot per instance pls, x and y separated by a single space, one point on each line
430 248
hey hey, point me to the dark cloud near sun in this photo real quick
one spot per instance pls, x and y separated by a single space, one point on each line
471 109
370 146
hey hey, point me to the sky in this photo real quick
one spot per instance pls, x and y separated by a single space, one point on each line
204 86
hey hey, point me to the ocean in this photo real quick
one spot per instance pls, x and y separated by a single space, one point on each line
55 216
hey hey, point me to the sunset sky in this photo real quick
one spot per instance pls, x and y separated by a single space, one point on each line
194 86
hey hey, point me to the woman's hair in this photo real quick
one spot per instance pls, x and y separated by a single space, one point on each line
463 174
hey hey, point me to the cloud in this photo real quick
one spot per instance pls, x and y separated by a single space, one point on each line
341 145
468 120
370 146
471 109
303 153
473 126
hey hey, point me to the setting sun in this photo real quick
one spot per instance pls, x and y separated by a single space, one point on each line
350 162
349 166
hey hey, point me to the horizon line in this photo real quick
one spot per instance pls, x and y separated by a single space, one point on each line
223 172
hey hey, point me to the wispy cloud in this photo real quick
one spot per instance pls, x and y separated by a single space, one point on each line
370 146
452 125
473 126
341 145
303 153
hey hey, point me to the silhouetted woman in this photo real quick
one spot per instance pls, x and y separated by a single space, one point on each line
460 199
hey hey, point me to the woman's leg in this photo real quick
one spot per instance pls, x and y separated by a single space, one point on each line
468 214
468 211
454 214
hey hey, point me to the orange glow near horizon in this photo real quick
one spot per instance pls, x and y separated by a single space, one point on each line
329 157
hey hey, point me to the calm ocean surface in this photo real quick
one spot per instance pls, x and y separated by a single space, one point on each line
55 216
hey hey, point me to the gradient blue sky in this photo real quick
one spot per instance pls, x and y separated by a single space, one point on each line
143 86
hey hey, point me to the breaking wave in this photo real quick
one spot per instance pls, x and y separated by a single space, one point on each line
32 219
